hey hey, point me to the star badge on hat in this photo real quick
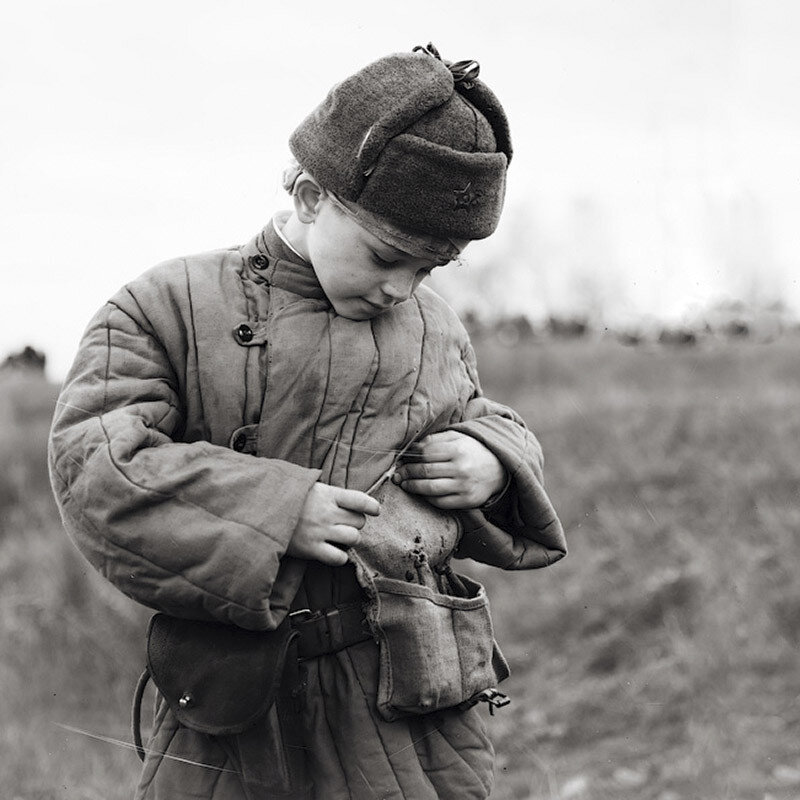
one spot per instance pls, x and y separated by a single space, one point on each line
467 197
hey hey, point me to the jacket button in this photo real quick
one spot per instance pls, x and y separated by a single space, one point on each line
243 333
239 442
259 261
186 700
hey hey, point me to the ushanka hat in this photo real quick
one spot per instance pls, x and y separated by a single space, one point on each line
415 140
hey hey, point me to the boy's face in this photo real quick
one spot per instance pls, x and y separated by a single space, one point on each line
361 275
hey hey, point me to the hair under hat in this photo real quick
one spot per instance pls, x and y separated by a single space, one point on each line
414 139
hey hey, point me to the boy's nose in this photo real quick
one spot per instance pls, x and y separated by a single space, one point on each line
398 287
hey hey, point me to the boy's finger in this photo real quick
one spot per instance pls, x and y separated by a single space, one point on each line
425 469
351 519
331 555
433 451
344 535
431 488
353 500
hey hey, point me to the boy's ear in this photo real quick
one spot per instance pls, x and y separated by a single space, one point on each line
306 196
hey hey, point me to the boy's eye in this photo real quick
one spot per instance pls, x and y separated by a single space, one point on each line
383 262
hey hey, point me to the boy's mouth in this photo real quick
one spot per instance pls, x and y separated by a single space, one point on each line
379 307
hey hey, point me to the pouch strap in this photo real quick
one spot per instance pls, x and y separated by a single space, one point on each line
136 713
329 630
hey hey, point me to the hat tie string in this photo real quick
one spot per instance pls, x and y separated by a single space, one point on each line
464 72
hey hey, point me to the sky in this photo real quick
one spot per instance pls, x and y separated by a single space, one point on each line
656 168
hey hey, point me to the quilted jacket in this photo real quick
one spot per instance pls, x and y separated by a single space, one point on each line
206 398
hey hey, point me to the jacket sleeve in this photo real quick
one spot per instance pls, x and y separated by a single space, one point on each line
193 529
520 529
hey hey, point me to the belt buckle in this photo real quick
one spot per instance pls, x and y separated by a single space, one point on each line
301 615
333 628
322 631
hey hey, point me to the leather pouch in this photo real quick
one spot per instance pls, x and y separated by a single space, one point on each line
436 650
218 679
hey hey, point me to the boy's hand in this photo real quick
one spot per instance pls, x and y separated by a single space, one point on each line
452 470
331 521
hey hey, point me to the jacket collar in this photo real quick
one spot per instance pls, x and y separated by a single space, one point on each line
267 259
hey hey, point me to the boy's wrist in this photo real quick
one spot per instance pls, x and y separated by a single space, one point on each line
498 495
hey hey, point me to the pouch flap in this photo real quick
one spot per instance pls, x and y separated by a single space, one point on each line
409 537
217 679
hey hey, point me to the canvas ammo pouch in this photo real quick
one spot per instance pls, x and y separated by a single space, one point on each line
434 630
217 679
436 650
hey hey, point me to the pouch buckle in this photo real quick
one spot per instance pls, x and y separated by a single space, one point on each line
492 697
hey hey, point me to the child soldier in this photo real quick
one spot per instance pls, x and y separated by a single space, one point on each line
281 446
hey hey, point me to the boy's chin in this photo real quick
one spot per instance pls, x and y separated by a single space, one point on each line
358 309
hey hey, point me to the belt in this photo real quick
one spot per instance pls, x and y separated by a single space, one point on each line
329 630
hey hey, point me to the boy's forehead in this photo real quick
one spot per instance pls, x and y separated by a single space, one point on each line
404 243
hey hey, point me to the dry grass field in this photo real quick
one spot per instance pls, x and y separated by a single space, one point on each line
659 660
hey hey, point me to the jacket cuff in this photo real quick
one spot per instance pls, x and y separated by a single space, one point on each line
494 502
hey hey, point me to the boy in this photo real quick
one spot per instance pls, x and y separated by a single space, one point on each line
294 430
